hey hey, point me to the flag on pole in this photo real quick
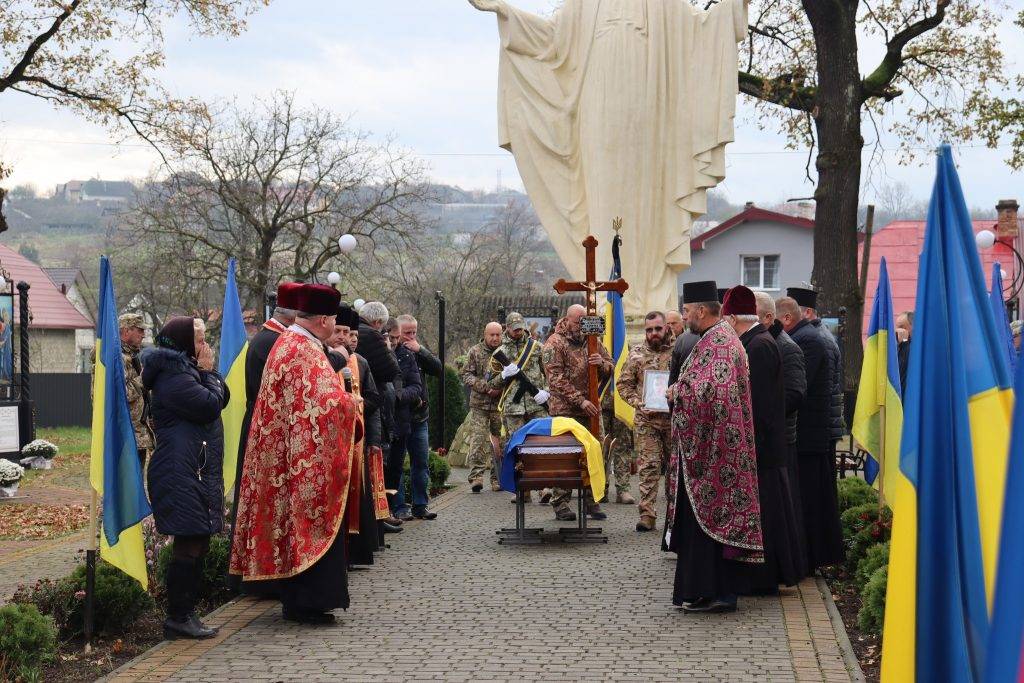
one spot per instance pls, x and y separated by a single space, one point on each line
952 465
615 339
878 418
999 314
114 469
234 344
1006 643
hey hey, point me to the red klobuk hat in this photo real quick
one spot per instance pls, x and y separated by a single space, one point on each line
286 292
739 301
317 299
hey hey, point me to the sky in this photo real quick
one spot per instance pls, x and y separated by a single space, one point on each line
425 74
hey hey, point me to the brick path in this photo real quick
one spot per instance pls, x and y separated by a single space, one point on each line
449 603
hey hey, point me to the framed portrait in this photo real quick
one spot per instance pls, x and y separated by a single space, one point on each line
540 326
6 339
655 386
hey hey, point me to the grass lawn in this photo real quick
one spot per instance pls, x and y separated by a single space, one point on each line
71 466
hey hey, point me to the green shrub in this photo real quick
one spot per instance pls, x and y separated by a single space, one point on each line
872 612
120 600
863 527
439 470
455 407
27 640
875 557
854 492
214 568
55 599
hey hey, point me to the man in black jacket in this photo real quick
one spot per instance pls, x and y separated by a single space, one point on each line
820 419
904 331
410 396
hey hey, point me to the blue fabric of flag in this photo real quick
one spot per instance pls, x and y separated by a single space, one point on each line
1000 316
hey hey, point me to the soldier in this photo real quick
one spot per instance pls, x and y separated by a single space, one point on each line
565 362
132 331
621 452
652 430
517 372
484 420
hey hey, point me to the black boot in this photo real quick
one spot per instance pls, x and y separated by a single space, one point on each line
181 621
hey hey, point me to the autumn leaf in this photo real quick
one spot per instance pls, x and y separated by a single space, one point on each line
35 522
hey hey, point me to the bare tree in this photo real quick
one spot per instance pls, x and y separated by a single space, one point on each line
515 241
896 200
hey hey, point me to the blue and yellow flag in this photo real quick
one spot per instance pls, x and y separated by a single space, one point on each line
952 466
879 393
999 314
553 426
231 364
1005 657
114 469
615 339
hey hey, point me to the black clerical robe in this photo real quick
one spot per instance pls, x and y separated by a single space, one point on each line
780 524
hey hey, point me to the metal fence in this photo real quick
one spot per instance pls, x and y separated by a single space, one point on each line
62 399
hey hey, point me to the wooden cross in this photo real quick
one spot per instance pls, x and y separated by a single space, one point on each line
591 287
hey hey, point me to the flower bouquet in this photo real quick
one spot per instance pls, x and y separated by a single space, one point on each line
39 454
10 474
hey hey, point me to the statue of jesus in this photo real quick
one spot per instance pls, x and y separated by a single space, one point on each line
620 108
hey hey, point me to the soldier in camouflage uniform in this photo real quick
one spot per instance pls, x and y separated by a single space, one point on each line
133 331
621 453
514 364
565 362
483 421
651 430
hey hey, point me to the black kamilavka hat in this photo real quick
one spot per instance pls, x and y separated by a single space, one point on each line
700 292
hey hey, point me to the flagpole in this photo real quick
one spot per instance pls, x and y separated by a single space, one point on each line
90 571
881 457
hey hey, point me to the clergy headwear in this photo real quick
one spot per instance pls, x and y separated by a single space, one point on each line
353 319
700 292
317 299
739 301
805 298
344 311
179 334
286 292
721 294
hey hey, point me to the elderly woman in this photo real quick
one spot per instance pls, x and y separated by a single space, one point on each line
185 475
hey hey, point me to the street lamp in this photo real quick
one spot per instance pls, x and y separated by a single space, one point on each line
347 244
333 278
986 239
358 303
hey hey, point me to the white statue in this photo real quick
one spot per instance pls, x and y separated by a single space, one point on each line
620 108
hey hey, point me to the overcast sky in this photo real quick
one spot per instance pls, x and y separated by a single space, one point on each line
423 72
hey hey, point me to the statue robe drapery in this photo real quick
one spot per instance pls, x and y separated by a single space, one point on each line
295 482
621 108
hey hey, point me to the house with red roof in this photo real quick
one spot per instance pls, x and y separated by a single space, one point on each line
61 335
764 250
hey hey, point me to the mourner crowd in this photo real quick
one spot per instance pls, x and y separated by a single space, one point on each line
336 400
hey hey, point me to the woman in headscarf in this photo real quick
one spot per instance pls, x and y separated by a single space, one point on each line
185 476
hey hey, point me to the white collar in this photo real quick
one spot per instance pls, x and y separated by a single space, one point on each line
298 329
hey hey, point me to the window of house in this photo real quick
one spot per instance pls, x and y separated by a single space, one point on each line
760 272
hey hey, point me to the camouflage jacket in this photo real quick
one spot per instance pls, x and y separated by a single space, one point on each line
630 384
476 374
565 362
532 369
137 399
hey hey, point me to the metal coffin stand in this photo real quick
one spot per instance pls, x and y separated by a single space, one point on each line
550 462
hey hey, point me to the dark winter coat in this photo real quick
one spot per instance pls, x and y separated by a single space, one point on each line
409 391
903 359
375 350
814 428
794 376
680 352
429 364
767 397
837 401
185 475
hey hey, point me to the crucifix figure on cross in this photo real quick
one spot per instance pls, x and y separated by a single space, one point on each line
593 327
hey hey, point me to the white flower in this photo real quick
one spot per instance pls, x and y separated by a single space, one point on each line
10 472
40 448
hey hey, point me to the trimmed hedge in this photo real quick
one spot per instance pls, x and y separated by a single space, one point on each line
120 600
27 640
875 557
872 611
455 407
863 527
854 492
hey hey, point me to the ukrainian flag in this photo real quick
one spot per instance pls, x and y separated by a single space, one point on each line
114 469
615 339
999 314
953 457
879 392
1006 643
234 344
554 426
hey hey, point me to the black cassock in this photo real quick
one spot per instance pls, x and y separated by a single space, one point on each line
780 523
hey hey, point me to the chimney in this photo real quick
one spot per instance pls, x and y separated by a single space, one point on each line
748 205
1007 226
805 209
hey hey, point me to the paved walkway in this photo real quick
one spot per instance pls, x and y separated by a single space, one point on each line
449 603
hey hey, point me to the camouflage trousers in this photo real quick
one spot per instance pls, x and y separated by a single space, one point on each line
482 425
622 451
653 450
561 497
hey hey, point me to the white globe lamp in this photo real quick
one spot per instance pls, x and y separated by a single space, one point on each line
985 239
358 304
347 244
333 278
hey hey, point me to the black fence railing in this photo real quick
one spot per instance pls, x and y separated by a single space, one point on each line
62 399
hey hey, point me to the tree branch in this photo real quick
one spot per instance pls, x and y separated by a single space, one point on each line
782 91
33 48
879 83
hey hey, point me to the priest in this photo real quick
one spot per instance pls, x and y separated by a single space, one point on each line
716 528
781 529
295 482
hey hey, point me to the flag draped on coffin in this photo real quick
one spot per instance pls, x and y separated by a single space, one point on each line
554 426
231 364
615 339
999 314
880 388
114 469
952 466
1006 644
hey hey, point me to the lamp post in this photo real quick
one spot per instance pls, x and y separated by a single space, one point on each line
442 394
986 239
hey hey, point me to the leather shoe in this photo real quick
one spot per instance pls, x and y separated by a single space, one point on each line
406 516
424 514
565 515
391 528
477 487
307 617
715 606
190 628
595 512
392 520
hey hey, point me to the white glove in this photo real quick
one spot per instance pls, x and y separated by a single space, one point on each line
542 397
509 370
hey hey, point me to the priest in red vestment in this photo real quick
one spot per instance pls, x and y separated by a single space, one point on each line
295 481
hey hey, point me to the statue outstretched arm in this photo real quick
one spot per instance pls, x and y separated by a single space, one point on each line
497 6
